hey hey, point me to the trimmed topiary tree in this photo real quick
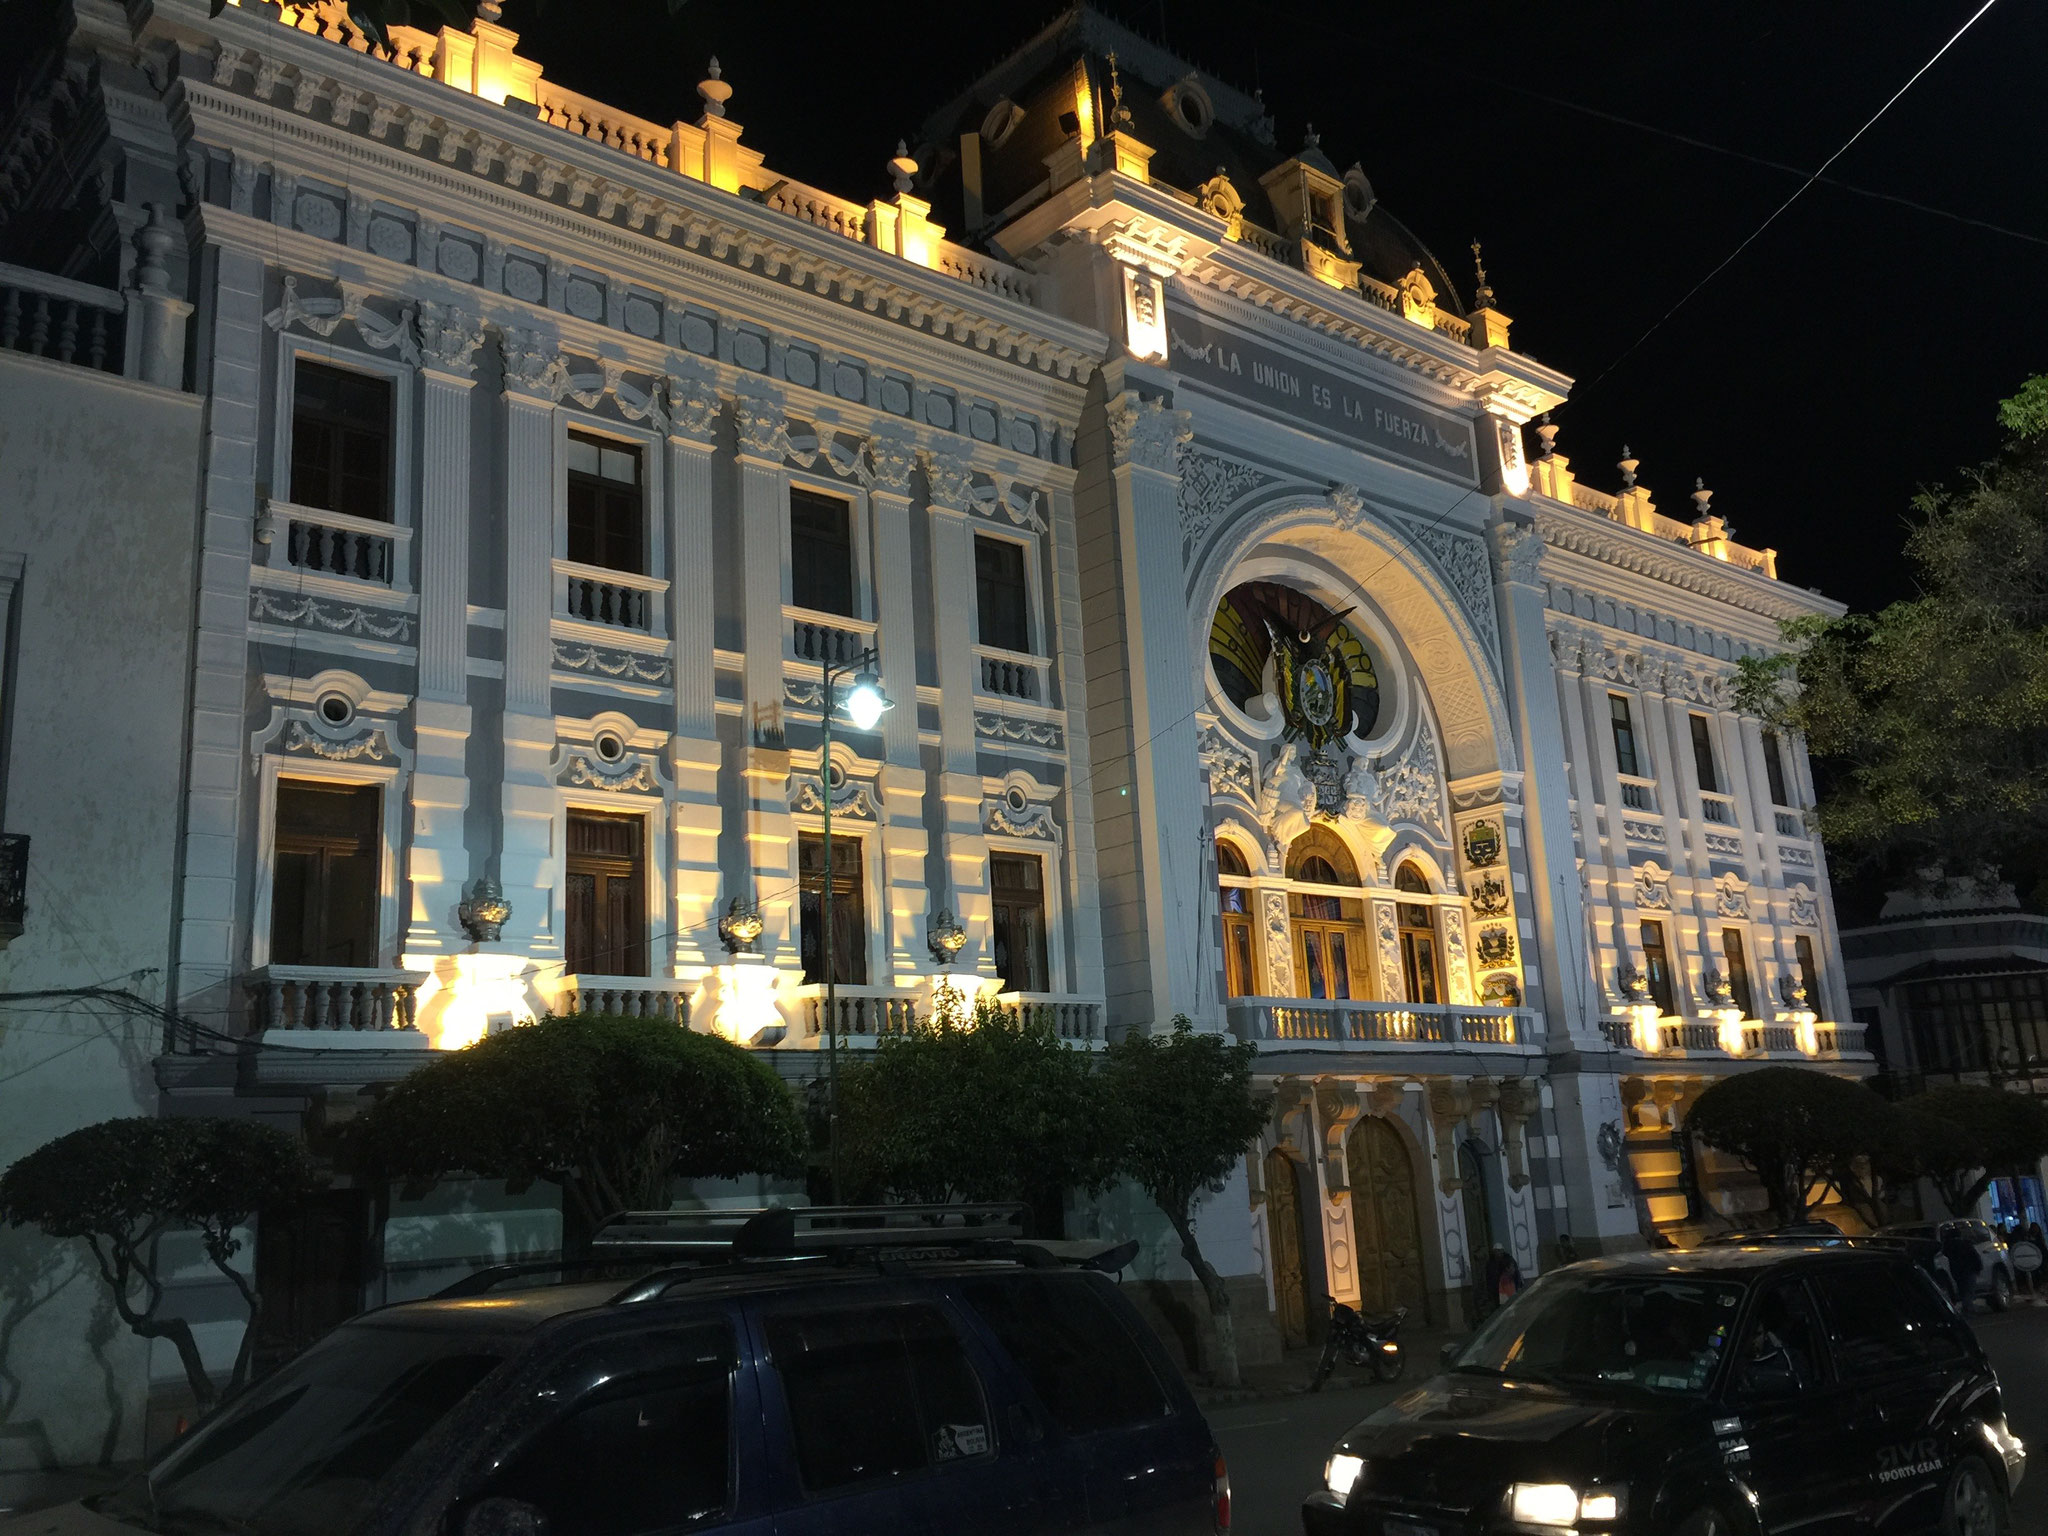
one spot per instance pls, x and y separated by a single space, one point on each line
611 1109
1189 1113
1976 1134
119 1186
1794 1127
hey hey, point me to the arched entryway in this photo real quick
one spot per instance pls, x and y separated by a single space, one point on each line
1385 1223
1284 1232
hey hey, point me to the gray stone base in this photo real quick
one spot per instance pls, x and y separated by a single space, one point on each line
1179 1314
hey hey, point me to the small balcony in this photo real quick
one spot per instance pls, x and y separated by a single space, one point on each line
864 1014
619 600
1719 809
321 543
359 1006
1075 1018
827 639
1732 1039
1012 675
1638 794
1791 824
631 997
1281 1023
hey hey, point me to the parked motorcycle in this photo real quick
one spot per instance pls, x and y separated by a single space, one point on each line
1369 1343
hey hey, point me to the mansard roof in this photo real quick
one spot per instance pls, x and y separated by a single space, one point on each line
1224 130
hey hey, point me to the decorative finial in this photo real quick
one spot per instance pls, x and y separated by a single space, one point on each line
489 10
902 167
946 937
484 909
1119 114
1702 499
1482 295
1546 431
714 92
1627 466
1310 139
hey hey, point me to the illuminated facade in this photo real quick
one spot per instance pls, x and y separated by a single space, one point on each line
1253 657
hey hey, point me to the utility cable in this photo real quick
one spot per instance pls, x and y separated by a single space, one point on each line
1799 192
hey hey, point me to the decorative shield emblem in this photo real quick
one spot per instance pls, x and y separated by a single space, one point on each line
1482 844
1327 774
1496 945
1502 991
1490 897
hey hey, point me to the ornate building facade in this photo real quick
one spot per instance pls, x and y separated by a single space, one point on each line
1255 655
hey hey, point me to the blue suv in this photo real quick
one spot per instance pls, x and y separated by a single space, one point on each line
802 1373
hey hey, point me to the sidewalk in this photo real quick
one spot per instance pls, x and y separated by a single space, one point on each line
1290 1375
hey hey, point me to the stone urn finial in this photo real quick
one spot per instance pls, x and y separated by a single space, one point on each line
740 926
483 910
946 937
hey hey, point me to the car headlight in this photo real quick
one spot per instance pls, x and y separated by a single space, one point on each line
1561 1504
1341 1473
1543 1503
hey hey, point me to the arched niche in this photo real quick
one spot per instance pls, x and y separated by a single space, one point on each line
1371 561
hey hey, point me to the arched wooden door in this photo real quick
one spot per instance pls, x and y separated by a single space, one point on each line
1283 1228
1384 1220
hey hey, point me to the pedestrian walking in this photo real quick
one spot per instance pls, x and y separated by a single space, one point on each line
1503 1276
1964 1265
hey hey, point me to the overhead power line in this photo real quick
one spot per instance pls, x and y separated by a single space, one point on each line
1798 192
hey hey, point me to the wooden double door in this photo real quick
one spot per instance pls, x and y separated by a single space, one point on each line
1386 1224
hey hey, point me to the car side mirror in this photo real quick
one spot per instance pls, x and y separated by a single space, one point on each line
500 1516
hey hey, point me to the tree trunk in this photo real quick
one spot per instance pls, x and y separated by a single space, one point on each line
123 1268
1227 1373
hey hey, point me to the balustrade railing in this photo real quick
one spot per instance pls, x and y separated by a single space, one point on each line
1074 1018
862 1012
1790 824
632 997
830 640
336 544
1371 1024
984 272
615 599
821 210
1718 809
1010 674
591 119
1639 794
1688 1035
65 321
312 997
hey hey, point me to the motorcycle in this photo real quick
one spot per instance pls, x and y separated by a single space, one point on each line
1369 1343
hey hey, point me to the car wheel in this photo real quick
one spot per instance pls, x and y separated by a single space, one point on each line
1705 1521
1972 1502
2001 1290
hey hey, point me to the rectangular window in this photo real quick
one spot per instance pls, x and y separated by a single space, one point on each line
877 1394
323 899
1657 967
1703 755
341 440
849 910
1089 1373
1002 602
1419 963
607 927
1809 973
1774 768
1738 972
1239 977
1625 760
821 552
607 508
1019 882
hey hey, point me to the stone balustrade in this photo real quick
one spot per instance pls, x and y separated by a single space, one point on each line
1074 1018
864 1013
1762 1039
1281 1023
333 998
632 997
615 599
1011 674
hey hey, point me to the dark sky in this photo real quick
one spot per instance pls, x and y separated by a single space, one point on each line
1853 353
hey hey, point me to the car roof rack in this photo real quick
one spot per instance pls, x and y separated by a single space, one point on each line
789 1231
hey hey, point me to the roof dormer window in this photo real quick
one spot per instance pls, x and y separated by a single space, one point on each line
1001 122
1189 106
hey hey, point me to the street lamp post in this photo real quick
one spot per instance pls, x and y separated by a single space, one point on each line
865 703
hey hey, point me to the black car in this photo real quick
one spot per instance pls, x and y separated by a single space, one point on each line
1723 1390
841 1372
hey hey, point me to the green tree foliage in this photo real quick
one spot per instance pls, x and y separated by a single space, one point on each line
1936 709
1794 1127
121 1185
611 1109
1189 1115
992 1107
1971 1135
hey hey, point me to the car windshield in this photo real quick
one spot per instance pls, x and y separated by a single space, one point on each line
1653 1333
303 1453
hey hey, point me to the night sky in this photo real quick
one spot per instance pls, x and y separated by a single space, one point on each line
1852 354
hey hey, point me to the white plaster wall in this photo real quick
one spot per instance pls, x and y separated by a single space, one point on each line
97 488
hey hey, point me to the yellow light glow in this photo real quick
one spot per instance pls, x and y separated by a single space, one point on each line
1084 108
739 1000
1806 1031
464 994
952 994
1144 315
1730 1029
1643 1028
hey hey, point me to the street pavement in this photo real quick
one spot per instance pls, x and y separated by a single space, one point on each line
1275 1448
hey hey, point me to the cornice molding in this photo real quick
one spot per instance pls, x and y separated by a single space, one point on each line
634 211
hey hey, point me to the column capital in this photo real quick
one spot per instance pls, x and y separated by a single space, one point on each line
1517 552
886 463
533 365
694 405
449 337
761 428
1147 433
951 481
